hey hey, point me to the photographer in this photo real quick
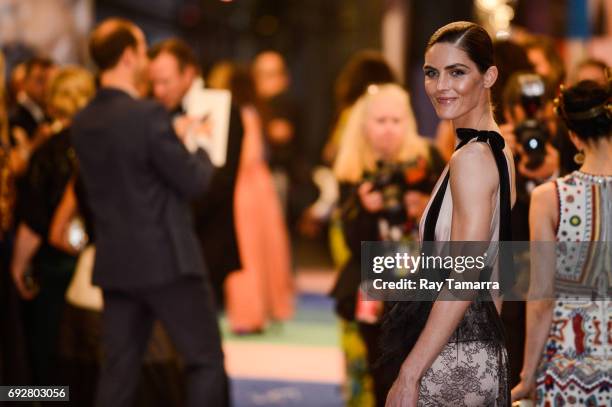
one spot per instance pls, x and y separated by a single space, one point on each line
386 172
530 130
536 138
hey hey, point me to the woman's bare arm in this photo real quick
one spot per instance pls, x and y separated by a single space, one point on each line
543 218
473 182
27 243
61 220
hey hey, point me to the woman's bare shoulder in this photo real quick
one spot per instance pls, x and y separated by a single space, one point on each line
543 196
475 162
544 212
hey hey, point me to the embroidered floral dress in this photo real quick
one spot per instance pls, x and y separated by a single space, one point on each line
576 366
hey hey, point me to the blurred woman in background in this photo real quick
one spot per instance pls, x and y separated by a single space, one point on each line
263 291
363 69
380 138
13 366
51 167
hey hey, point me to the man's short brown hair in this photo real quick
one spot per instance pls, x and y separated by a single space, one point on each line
179 49
34 62
109 40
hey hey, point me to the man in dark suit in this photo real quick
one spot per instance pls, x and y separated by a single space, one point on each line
139 179
174 75
29 111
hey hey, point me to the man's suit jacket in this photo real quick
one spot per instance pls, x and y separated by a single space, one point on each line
139 179
21 117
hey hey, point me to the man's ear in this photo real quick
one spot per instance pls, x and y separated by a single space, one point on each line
490 76
128 57
190 72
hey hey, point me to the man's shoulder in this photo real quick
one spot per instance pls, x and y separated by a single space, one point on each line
120 107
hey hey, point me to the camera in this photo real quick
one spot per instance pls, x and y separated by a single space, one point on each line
532 134
389 179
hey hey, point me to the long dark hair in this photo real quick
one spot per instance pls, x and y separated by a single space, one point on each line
364 68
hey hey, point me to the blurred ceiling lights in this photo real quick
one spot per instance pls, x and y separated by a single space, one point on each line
496 15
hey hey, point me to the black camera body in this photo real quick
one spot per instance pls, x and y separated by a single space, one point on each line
390 180
532 134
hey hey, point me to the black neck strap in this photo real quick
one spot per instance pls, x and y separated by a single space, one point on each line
496 142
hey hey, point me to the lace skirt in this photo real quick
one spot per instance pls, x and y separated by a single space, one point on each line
472 373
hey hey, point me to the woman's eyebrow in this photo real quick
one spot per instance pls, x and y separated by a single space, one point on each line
453 66
429 67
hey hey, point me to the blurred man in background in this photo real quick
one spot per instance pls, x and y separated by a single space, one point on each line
175 75
139 178
29 111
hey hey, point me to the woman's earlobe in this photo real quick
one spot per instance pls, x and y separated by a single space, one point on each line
490 76
579 144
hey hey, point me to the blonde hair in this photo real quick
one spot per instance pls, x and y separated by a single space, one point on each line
220 76
355 155
70 91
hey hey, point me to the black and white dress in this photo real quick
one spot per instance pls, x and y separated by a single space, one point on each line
472 369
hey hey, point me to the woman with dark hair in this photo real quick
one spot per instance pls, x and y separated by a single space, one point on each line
453 351
567 348
366 67
592 69
261 292
545 58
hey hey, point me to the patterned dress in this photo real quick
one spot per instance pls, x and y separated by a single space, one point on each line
576 367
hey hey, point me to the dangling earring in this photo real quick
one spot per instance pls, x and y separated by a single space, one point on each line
579 157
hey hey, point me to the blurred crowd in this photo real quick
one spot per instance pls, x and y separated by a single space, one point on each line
374 180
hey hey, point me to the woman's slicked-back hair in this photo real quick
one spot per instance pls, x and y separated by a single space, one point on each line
469 37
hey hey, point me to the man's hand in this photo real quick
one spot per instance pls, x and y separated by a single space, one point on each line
202 128
190 130
547 169
181 126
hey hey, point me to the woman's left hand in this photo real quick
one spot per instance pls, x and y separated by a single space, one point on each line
524 390
403 393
